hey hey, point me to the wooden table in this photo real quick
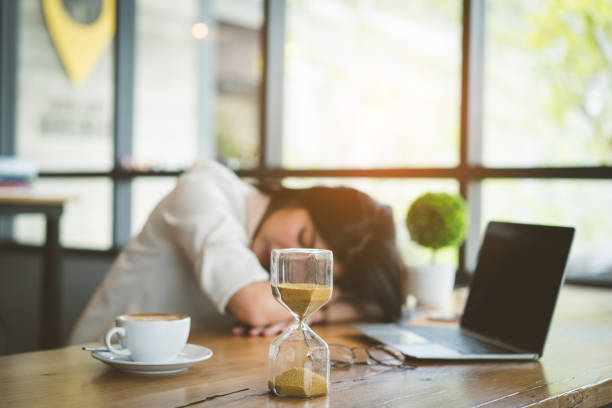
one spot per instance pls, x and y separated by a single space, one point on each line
15 201
576 370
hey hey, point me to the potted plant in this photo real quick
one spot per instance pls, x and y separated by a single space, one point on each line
435 221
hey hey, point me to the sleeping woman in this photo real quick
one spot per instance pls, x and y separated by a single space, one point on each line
205 252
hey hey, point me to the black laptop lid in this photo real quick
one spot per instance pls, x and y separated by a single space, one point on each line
516 283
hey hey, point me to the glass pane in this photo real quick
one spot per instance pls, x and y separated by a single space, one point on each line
166 84
548 90
239 74
399 194
197 73
372 83
581 204
64 122
87 218
147 192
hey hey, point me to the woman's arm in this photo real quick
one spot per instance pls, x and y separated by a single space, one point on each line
261 315
339 309
198 220
336 312
254 305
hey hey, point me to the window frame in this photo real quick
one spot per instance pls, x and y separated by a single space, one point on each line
469 173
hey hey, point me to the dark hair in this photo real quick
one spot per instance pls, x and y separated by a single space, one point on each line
361 234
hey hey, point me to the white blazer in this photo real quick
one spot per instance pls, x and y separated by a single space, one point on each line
191 256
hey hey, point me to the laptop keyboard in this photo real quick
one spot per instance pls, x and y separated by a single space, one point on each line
453 338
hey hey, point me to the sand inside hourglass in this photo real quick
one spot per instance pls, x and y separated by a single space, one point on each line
300 382
302 298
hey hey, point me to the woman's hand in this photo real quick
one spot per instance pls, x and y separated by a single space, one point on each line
266 330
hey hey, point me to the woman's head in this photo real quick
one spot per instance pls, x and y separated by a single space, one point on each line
288 226
359 231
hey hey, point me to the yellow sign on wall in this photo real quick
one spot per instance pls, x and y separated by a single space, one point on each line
81 31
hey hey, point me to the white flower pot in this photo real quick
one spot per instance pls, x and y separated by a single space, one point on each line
431 284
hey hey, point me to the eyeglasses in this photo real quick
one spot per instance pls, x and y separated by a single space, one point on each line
342 356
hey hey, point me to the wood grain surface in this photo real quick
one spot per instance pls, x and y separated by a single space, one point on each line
575 371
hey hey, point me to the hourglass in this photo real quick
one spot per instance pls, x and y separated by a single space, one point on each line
298 362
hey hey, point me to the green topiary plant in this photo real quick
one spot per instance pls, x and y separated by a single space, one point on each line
437 220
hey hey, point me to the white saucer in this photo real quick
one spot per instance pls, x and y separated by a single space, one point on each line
190 355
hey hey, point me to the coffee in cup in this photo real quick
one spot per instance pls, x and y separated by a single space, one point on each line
150 337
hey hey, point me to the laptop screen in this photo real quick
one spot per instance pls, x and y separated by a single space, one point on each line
517 279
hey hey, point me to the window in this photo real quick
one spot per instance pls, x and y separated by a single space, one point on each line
238 70
197 76
64 126
556 121
380 79
561 114
166 92
558 202
507 103
86 222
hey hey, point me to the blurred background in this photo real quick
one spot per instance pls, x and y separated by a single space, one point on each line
507 102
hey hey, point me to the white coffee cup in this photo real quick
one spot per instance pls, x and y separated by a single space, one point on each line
150 337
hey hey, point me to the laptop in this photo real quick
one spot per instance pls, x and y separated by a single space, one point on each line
518 276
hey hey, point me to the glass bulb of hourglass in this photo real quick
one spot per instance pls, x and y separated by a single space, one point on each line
298 362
